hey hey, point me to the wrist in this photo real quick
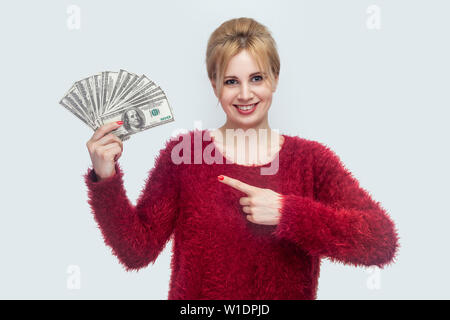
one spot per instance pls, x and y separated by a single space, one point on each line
101 178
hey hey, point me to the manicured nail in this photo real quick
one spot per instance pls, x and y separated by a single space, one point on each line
119 122
220 177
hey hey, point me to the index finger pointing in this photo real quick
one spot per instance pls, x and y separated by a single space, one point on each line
239 185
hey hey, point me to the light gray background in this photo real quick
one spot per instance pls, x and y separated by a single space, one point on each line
378 98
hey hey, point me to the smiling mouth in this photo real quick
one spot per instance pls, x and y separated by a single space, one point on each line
246 107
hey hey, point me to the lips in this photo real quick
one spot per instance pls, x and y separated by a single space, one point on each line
241 111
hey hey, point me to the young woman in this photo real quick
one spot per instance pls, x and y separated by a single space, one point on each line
239 232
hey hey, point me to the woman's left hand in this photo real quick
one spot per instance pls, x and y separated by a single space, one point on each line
261 205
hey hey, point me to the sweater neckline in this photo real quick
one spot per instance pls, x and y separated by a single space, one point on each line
230 162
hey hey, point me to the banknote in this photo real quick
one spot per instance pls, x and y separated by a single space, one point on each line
111 96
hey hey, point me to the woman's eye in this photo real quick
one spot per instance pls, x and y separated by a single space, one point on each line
233 81
228 81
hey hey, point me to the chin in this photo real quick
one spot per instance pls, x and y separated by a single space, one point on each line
247 122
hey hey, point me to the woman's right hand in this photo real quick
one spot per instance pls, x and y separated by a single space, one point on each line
105 149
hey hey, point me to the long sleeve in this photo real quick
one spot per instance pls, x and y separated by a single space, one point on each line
342 222
136 234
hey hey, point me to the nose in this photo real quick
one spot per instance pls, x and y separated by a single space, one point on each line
245 93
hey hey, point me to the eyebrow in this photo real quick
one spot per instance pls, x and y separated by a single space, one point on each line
254 73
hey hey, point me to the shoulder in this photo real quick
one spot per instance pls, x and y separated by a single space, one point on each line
178 137
166 154
304 145
320 153
180 145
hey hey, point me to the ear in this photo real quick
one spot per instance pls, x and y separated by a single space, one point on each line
275 84
213 84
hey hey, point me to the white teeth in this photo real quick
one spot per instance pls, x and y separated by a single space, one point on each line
245 108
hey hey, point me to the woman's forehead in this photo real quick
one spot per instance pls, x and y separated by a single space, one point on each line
244 74
242 60
242 64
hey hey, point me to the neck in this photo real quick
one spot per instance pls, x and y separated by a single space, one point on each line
262 125
268 141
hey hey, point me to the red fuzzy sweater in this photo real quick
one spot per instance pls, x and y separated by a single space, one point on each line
217 252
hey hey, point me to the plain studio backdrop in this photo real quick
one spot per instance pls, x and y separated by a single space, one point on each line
368 78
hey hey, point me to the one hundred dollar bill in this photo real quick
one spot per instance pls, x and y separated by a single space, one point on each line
118 96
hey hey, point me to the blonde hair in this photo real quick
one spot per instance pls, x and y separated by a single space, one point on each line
235 35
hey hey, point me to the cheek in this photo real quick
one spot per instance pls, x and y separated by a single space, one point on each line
265 95
227 99
263 91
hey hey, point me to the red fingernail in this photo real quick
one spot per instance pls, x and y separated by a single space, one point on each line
119 122
220 177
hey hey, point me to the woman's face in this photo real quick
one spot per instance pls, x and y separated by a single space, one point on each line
244 86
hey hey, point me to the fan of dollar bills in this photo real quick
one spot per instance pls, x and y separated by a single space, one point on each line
118 96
